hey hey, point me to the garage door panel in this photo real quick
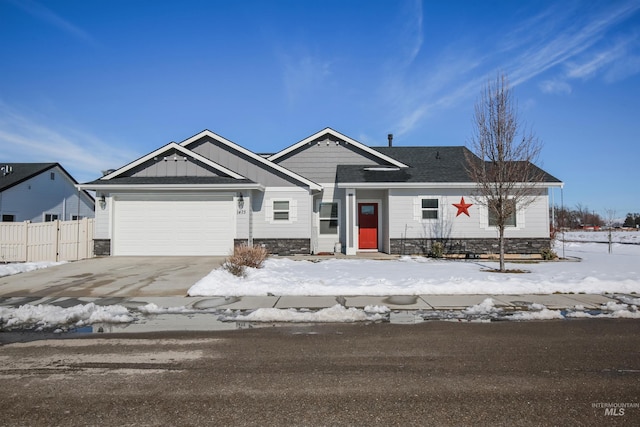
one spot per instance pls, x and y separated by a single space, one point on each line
175 226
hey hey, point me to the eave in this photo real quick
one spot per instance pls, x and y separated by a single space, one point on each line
384 185
161 187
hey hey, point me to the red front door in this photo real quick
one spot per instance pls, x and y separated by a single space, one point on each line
368 225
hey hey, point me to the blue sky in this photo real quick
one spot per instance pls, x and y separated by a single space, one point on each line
96 84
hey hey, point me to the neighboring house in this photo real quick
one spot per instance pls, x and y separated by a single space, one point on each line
41 192
325 193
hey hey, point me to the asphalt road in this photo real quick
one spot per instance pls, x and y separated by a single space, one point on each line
436 373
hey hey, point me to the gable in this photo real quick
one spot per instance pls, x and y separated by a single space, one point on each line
251 165
319 156
172 160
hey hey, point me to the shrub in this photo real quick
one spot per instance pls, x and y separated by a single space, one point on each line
245 256
548 254
437 250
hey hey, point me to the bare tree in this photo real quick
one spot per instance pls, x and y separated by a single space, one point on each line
503 167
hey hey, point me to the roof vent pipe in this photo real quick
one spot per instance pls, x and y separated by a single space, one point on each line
390 138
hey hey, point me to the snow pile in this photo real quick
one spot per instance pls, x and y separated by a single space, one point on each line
540 312
152 308
337 313
625 312
599 272
48 316
23 267
486 307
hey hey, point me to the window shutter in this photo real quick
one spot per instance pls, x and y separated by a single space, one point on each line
293 210
417 209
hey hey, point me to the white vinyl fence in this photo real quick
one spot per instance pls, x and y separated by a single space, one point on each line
46 241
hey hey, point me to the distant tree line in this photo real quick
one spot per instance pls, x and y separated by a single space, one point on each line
632 220
578 217
581 216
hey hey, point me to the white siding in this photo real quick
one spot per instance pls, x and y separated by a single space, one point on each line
299 224
405 222
31 199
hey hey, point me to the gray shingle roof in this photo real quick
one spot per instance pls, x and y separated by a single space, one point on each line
426 164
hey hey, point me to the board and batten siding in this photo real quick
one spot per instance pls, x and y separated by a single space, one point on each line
300 213
405 217
240 163
319 159
172 164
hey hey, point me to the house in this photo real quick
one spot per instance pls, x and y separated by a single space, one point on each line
325 193
41 192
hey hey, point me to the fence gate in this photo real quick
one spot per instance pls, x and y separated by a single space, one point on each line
46 241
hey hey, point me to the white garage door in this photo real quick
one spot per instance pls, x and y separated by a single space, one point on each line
173 225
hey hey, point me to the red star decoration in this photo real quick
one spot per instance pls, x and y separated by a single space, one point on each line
463 208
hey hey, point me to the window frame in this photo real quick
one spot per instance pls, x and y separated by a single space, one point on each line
512 221
423 210
330 218
275 211
52 217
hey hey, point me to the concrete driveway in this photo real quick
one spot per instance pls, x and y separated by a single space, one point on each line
112 277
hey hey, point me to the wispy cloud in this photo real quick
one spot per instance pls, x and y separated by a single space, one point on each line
569 39
593 62
555 37
25 137
411 34
43 13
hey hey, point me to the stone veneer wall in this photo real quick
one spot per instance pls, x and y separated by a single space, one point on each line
102 247
284 247
470 246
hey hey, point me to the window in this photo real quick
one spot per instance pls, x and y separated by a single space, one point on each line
511 219
76 217
281 210
52 176
329 218
429 208
8 218
50 217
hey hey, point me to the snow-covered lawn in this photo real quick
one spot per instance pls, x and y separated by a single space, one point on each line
597 272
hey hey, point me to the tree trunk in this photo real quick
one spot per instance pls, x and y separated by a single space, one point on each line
501 242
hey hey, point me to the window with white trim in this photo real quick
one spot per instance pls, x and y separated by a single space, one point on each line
328 213
281 210
429 208
511 219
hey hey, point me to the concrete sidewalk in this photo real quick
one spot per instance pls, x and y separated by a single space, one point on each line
400 302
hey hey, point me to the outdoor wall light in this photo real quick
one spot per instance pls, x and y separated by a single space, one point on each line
102 202
240 201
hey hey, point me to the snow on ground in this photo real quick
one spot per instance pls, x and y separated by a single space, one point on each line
602 236
597 272
591 269
23 267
